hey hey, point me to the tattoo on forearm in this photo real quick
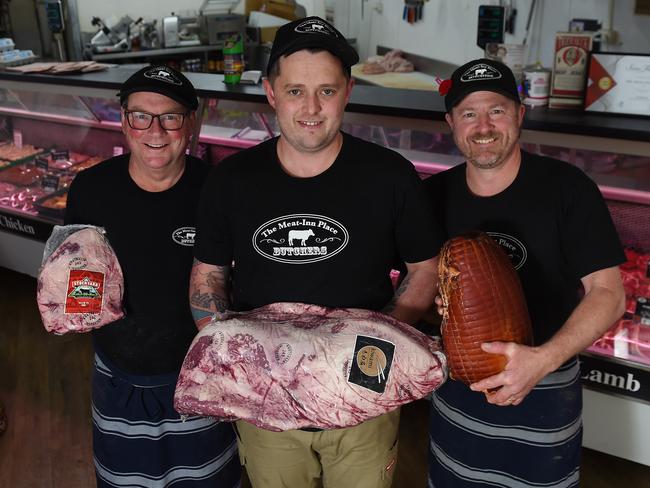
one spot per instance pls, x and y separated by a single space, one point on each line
390 306
209 290
210 301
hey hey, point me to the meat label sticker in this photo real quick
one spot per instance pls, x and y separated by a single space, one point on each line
371 363
85 292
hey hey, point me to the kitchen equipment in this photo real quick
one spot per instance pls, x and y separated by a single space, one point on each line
115 38
217 23
181 31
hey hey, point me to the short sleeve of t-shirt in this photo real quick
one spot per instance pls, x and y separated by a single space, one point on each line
71 215
418 232
213 243
588 234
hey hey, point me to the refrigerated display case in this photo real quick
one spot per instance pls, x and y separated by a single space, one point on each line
50 127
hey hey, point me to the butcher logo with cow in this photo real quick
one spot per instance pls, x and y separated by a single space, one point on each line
480 72
314 26
300 238
184 236
162 73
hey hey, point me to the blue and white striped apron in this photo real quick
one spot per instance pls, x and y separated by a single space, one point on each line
139 440
535 444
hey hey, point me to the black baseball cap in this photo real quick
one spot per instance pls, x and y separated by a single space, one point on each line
479 75
311 32
163 80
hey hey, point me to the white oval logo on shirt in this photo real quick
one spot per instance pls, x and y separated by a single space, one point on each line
513 247
300 238
184 236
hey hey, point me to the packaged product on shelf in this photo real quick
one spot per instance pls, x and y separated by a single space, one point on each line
570 64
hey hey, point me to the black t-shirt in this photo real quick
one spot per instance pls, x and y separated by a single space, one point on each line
152 234
329 240
552 221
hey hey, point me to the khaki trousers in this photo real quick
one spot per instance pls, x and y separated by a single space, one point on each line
363 456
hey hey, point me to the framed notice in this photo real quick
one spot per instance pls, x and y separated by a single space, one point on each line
570 64
619 83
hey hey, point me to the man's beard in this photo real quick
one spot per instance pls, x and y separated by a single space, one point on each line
489 159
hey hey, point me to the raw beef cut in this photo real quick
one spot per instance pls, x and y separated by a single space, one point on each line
290 365
80 284
483 301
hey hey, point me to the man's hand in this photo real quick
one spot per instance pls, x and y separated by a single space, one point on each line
525 367
439 305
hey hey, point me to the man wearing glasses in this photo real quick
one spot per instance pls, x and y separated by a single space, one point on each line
147 200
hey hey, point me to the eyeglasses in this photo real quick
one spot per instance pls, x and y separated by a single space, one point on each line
143 120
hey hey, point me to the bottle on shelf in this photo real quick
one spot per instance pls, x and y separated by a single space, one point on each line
233 59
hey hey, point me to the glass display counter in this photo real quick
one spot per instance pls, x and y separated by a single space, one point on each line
51 128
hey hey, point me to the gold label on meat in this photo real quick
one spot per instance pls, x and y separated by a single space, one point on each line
371 363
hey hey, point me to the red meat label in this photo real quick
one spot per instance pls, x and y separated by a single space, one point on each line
85 291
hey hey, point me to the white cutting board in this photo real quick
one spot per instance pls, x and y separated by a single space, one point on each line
411 81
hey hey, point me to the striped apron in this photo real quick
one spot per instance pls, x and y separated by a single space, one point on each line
535 444
139 439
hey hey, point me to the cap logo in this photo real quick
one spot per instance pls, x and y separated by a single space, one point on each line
480 72
314 26
160 73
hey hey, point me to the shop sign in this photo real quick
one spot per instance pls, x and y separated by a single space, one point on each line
615 377
25 227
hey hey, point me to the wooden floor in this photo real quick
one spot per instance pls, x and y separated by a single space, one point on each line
44 384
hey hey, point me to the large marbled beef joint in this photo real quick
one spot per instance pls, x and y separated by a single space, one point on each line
483 301
289 366
80 283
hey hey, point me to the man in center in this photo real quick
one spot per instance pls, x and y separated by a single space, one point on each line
314 216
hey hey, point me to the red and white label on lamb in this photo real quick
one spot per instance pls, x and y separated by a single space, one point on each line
85 292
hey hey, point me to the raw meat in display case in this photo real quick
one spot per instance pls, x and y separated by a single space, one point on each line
10 152
290 365
61 160
87 163
53 203
38 184
23 199
629 338
21 174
